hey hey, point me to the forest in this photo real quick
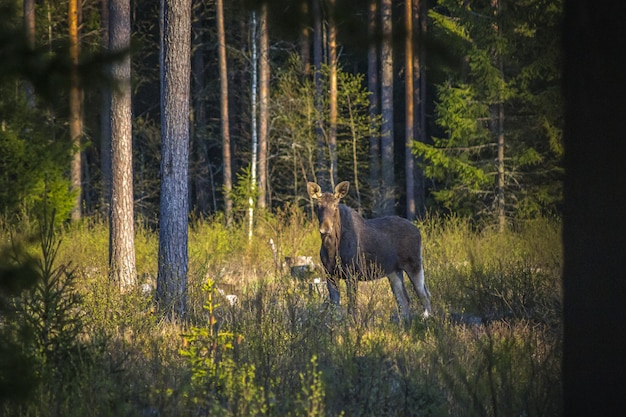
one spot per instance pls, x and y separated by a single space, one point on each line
154 158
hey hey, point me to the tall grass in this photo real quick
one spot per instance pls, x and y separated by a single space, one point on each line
492 348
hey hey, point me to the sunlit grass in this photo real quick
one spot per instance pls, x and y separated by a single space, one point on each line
492 347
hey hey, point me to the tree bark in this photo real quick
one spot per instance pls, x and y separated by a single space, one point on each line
201 170
75 110
373 87
594 225
253 123
264 100
387 131
105 118
122 232
420 12
409 161
224 121
175 68
322 166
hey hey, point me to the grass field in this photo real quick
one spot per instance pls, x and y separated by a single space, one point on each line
492 347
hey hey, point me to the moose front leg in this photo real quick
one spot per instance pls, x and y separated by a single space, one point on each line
333 290
352 287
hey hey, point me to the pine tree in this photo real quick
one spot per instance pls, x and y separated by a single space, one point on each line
497 135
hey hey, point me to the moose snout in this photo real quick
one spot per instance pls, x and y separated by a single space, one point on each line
325 228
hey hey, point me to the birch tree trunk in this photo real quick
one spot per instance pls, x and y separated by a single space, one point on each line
175 63
122 232
253 124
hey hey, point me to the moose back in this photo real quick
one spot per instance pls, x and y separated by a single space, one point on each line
356 249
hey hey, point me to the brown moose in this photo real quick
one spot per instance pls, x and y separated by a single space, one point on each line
356 249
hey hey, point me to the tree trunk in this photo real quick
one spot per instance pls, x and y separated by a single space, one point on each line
264 100
305 38
372 85
500 198
105 119
322 171
200 155
29 26
75 116
420 12
175 60
228 176
122 232
387 133
501 178
332 63
409 122
253 123
594 225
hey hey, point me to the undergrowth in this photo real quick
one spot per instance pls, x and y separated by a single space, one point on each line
492 347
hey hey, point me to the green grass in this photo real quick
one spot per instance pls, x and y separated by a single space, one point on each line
281 350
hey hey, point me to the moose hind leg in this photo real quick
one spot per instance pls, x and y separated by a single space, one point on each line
417 278
399 291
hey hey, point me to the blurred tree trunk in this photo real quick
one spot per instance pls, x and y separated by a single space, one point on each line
29 26
264 99
224 120
105 116
175 68
332 63
409 121
594 225
75 108
373 87
122 232
387 131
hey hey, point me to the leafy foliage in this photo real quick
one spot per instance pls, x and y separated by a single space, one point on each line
31 163
293 132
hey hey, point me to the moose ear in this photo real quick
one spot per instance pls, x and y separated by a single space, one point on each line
341 190
314 190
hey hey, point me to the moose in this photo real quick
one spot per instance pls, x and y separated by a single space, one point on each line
356 249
